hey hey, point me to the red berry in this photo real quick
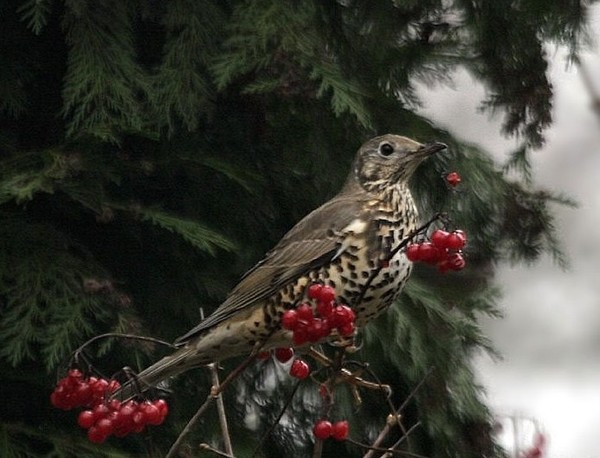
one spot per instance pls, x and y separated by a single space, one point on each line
283 355
322 429
113 386
56 400
324 391
139 418
413 252
444 266
300 336
289 319
456 240
75 374
96 436
339 430
325 328
316 331
429 253
327 294
125 417
163 407
99 390
456 261
314 291
86 419
347 329
305 313
100 411
342 315
114 404
439 238
82 394
325 309
153 416
105 426
461 233
453 178
300 369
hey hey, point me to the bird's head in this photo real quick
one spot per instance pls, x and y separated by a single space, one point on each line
390 159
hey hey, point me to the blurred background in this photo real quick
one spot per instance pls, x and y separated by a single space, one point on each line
550 369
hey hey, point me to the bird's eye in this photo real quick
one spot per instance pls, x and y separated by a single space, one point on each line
386 149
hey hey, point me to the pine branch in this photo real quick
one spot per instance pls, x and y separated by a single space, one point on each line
181 88
41 282
104 85
195 233
36 13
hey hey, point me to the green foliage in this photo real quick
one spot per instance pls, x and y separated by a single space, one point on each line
35 13
16 442
104 85
181 87
151 152
45 306
198 235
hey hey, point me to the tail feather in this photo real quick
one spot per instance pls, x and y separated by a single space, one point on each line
169 366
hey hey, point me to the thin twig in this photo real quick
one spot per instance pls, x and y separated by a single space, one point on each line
214 392
221 411
268 432
318 449
403 438
209 448
395 418
173 450
385 450
416 388
391 420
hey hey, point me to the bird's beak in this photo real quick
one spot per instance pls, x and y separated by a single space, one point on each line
431 148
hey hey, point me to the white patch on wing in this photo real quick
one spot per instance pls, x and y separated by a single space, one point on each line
356 226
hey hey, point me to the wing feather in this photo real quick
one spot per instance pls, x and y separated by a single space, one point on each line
310 244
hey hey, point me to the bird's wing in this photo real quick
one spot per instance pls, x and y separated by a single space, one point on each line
311 243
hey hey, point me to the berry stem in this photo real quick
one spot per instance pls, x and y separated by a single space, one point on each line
375 271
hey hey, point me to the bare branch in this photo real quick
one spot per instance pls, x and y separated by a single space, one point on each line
221 411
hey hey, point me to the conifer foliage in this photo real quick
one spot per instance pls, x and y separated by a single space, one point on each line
150 152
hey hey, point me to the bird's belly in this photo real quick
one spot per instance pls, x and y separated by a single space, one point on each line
370 287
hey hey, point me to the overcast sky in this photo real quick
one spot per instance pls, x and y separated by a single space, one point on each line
550 337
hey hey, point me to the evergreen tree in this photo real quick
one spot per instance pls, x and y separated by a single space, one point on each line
151 152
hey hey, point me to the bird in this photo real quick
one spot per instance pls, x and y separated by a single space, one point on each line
341 244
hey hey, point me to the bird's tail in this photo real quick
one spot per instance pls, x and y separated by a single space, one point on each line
182 360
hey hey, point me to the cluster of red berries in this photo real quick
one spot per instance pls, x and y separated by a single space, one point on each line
103 418
324 429
76 391
310 325
443 249
121 419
